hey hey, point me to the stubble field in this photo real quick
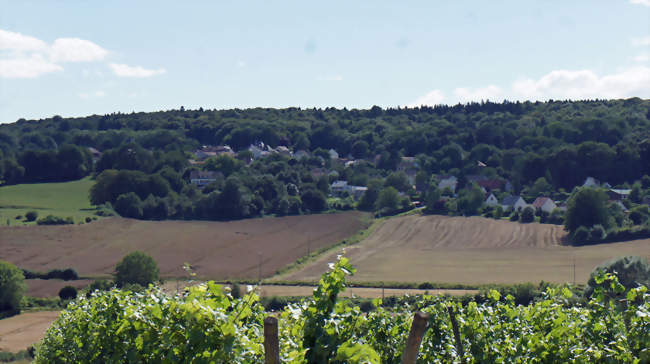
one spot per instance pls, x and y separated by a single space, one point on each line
471 250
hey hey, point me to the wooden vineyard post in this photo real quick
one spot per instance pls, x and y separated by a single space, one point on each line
418 328
454 326
271 342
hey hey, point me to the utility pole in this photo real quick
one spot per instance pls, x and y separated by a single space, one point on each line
574 269
259 267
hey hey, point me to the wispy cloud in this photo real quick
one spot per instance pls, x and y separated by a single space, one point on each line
557 84
642 41
124 70
20 43
330 78
642 58
641 2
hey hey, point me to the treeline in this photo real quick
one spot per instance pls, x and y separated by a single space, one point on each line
539 147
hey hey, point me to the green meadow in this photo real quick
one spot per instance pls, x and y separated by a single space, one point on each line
59 199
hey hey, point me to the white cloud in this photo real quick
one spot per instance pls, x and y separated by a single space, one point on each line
585 84
557 85
18 42
76 50
640 42
123 70
642 58
491 92
27 67
435 97
641 2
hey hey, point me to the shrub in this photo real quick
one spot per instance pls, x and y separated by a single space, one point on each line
136 268
88 219
68 293
581 235
514 216
632 271
55 220
597 233
129 205
99 285
235 291
31 216
528 215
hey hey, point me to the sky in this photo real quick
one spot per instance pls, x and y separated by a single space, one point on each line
77 58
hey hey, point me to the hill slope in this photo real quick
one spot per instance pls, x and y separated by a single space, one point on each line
470 250
214 249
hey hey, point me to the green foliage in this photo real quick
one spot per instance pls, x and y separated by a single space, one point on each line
388 200
136 268
631 271
55 220
470 200
528 215
67 293
31 215
587 207
12 287
205 324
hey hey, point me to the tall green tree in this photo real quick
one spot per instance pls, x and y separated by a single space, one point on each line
12 286
136 268
587 207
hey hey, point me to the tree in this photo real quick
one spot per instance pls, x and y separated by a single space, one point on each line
313 200
587 207
388 201
12 286
528 215
470 200
31 216
399 181
129 205
136 268
68 293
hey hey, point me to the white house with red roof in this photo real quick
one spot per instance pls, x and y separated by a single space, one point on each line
545 204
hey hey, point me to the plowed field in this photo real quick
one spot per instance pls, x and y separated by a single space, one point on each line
471 250
216 250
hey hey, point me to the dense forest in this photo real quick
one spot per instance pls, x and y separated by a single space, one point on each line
142 162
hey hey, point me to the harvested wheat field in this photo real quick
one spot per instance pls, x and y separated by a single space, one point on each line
215 250
22 331
472 250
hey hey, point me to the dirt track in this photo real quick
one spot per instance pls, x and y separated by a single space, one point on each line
217 250
19 332
470 250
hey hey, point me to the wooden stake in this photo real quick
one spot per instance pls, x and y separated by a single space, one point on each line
454 326
271 342
418 328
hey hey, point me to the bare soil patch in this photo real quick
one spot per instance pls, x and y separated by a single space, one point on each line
216 250
45 288
22 331
470 250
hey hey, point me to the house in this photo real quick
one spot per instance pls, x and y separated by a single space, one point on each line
301 154
202 154
618 194
515 203
448 182
283 150
407 163
339 187
333 154
545 204
410 175
208 151
203 178
95 154
491 200
319 172
491 184
256 150
592 182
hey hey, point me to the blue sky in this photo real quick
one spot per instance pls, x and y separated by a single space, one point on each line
75 58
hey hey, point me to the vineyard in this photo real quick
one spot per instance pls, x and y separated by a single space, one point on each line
206 325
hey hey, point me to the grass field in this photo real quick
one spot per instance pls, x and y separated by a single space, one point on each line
471 251
242 249
60 199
